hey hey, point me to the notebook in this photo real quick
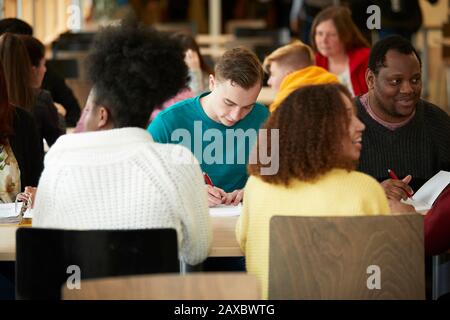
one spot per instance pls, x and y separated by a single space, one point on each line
225 211
424 198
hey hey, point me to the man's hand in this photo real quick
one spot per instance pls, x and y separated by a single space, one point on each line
397 189
398 207
216 195
234 198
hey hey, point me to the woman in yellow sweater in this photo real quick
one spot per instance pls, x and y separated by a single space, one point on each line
319 146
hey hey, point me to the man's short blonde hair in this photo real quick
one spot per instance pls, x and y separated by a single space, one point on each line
296 54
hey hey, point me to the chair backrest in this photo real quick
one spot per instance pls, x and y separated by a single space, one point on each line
195 286
441 276
48 258
374 257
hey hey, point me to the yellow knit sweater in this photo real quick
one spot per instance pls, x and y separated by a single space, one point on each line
303 77
337 193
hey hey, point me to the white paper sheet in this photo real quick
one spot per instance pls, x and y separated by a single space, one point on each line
424 198
7 210
225 211
8 213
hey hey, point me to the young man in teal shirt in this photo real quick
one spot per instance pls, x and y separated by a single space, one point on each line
220 127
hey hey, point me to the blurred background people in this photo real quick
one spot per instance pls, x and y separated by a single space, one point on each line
23 82
341 48
291 67
52 82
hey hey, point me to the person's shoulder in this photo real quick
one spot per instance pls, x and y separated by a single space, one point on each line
174 154
22 117
360 181
103 145
359 57
253 180
44 94
44 99
321 61
22 113
173 117
255 185
360 110
261 110
434 117
59 152
433 111
180 106
359 52
177 160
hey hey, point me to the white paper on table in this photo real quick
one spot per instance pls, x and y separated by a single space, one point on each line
424 198
225 211
7 210
8 213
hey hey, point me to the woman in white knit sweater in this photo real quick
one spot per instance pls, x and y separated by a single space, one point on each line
114 176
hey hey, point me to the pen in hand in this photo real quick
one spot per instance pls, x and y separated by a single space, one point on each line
394 177
207 179
213 191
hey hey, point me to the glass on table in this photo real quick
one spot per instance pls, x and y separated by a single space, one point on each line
24 201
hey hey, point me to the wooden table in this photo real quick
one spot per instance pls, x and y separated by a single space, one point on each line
224 239
8 242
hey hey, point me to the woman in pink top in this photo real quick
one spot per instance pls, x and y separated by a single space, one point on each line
184 94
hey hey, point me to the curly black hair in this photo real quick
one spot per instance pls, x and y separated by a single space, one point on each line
135 69
397 43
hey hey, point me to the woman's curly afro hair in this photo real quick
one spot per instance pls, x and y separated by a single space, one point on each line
313 122
135 69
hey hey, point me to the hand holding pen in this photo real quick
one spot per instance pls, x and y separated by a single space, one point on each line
215 195
397 189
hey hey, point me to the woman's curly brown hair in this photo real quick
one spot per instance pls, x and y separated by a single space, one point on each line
313 122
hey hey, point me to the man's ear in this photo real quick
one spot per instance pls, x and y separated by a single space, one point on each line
370 79
103 118
212 82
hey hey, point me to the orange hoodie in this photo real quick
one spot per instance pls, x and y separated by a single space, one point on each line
303 77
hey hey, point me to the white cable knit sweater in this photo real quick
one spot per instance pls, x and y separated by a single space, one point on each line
121 179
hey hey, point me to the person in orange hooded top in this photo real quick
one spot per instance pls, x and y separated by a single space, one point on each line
291 67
